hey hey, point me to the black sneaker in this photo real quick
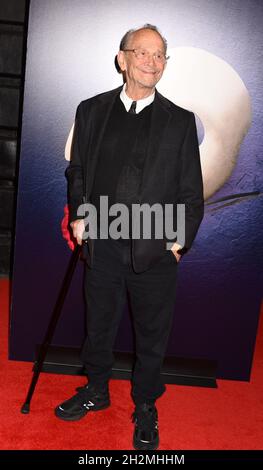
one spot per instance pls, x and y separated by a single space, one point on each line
87 399
146 434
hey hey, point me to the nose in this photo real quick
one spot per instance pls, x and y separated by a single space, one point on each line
149 59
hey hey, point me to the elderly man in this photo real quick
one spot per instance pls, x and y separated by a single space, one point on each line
134 146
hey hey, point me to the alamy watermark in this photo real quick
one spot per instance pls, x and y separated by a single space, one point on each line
147 222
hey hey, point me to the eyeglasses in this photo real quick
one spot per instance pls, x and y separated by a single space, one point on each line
142 54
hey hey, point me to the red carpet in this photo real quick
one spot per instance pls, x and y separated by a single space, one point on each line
230 417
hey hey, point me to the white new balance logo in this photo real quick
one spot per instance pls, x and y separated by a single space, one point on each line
87 405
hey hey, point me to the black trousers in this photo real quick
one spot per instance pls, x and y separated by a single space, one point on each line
152 298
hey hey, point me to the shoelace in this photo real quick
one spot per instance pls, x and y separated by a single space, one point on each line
83 393
90 391
146 420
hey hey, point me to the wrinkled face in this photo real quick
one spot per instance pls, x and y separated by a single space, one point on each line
146 71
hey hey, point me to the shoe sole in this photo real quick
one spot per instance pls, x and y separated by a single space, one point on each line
138 445
66 417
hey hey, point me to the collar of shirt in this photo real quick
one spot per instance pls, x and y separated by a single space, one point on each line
140 105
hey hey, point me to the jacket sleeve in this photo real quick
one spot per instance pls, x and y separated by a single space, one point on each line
75 171
191 183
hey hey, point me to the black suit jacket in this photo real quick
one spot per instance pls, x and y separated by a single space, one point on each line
171 172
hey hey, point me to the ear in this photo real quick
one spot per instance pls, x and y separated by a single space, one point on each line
121 61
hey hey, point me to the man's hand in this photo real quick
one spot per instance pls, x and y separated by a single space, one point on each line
174 249
78 228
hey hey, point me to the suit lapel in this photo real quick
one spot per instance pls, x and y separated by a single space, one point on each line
99 121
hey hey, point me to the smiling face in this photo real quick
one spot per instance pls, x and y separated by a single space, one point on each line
142 74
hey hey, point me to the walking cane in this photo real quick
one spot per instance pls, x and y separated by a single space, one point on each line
51 327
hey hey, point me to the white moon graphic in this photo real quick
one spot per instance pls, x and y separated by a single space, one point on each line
207 85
